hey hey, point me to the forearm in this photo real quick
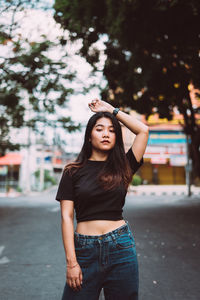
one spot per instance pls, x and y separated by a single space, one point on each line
132 123
67 225
136 126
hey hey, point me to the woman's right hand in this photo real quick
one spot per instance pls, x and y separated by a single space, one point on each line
74 277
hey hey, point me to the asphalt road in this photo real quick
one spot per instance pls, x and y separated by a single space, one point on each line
167 234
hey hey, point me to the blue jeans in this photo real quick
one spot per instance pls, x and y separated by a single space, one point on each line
107 261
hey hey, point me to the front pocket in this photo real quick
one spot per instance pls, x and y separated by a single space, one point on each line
83 251
84 254
124 241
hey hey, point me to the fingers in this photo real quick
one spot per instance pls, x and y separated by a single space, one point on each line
81 277
95 101
75 284
92 107
93 104
75 281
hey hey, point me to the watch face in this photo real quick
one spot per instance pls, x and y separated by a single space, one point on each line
115 111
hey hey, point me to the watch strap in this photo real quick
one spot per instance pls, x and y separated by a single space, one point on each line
115 111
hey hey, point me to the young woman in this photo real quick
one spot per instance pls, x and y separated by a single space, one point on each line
101 252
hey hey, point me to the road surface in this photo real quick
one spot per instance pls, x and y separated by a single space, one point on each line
167 234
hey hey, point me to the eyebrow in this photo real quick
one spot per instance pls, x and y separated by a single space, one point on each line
103 125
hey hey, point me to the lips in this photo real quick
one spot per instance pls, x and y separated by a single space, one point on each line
105 141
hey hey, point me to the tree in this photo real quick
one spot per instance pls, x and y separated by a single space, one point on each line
31 82
152 53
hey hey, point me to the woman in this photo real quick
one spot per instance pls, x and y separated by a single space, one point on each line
101 252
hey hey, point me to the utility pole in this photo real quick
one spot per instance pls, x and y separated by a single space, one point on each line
188 167
41 184
28 171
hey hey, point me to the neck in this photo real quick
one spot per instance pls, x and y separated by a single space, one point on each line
98 156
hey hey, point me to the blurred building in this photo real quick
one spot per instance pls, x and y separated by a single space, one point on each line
21 170
10 170
165 157
37 161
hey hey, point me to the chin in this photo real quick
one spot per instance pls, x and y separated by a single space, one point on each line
106 147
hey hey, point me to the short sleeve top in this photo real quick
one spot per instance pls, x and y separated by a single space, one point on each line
91 202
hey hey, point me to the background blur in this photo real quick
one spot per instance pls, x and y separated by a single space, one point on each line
56 56
141 56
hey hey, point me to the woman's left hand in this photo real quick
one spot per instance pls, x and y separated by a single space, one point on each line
97 105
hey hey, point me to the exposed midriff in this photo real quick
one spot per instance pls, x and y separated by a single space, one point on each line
98 227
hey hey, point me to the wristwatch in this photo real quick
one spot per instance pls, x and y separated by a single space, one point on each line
115 111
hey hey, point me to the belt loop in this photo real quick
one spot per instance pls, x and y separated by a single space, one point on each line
84 241
113 237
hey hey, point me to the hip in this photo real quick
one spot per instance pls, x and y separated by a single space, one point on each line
116 246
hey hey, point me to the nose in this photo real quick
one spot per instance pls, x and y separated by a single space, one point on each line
105 133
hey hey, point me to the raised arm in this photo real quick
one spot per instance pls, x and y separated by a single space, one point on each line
74 273
136 126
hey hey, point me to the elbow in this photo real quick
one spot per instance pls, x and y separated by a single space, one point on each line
67 218
67 221
146 130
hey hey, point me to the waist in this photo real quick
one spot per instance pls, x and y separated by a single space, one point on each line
85 238
98 227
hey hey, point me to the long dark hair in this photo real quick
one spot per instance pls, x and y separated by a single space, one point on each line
116 169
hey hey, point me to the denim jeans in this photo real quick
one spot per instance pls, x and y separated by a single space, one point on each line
107 261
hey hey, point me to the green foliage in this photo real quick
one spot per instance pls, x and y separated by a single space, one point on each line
19 189
47 177
30 80
150 35
152 53
137 180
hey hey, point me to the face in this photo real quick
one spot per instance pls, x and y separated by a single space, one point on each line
103 136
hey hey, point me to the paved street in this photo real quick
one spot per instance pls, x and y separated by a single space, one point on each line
167 234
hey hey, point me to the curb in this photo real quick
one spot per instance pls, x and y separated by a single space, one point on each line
160 190
158 193
31 193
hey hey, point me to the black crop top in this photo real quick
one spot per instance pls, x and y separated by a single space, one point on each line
91 202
